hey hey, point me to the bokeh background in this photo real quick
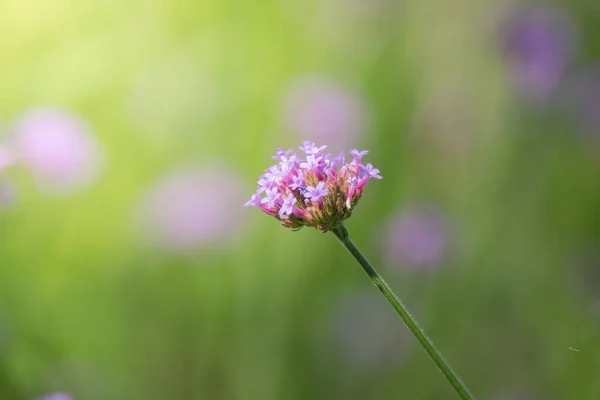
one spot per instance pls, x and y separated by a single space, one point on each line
132 133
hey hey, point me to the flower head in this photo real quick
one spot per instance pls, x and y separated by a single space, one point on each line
189 208
58 147
312 190
417 237
315 193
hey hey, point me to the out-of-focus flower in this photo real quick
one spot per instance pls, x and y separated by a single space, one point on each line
319 191
319 110
416 237
56 396
58 147
193 206
367 332
540 44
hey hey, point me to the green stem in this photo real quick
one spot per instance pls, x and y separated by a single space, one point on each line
411 323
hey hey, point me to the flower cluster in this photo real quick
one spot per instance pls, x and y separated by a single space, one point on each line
316 190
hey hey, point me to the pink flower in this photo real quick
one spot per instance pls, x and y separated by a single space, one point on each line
325 188
318 109
58 147
416 237
540 43
192 207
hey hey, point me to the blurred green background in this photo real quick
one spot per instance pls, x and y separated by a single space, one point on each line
151 281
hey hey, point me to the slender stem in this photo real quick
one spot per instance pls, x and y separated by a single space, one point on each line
409 320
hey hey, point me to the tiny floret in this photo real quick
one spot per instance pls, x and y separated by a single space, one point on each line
254 201
311 148
297 181
312 162
315 193
314 189
372 172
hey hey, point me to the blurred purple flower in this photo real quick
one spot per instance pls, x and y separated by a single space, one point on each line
287 208
372 172
416 237
56 396
317 109
540 43
58 147
193 207
367 332
326 194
